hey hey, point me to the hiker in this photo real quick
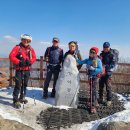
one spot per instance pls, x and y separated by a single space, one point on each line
109 59
73 50
53 57
22 56
94 67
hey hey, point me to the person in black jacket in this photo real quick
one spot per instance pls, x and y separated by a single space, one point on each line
73 50
54 58
109 60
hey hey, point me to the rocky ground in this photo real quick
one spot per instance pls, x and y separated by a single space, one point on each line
114 126
4 79
73 119
55 118
6 124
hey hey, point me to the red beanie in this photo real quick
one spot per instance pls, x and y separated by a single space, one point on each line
95 49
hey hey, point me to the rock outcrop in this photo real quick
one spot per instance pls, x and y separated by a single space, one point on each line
114 126
12 125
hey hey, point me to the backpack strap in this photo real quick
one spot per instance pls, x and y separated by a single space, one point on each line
19 47
48 53
60 50
29 52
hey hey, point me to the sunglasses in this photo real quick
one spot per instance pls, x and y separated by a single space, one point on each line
28 41
92 52
55 41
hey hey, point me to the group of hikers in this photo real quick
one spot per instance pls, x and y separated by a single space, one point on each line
99 68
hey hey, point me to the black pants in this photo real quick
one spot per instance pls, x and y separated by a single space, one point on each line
51 70
94 90
21 82
105 81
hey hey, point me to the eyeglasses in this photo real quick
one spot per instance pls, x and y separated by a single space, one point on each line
92 52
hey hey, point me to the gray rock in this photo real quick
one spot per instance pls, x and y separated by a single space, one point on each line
114 126
67 86
13 125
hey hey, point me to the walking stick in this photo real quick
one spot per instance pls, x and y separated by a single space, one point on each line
22 73
91 84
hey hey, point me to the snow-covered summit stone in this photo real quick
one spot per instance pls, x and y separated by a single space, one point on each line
67 86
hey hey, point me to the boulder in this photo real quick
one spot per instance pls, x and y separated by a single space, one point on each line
13 125
114 126
67 86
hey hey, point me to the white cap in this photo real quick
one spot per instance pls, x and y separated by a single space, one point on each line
26 36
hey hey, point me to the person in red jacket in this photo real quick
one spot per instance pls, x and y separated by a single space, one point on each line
22 56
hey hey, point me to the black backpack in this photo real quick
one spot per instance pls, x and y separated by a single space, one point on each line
115 53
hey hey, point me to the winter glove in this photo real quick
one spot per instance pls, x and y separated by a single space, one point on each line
111 70
27 63
90 67
109 67
22 63
79 62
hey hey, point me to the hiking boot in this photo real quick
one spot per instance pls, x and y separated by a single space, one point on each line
45 95
108 103
53 93
23 100
93 110
17 105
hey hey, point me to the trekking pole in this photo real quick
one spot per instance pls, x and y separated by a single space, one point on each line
22 72
90 83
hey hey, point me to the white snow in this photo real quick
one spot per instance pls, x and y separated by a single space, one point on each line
28 117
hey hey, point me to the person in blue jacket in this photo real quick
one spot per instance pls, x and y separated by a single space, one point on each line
94 67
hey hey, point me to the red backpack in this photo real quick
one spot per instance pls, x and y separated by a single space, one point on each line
103 69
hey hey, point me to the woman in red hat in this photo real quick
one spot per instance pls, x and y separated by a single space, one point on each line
94 67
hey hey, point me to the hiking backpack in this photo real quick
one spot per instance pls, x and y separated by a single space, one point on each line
116 55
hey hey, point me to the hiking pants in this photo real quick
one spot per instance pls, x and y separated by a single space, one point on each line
105 80
51 70
21 82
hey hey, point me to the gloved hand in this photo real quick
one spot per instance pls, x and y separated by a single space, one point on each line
90 67
111 70
27 63
22 63
79 61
